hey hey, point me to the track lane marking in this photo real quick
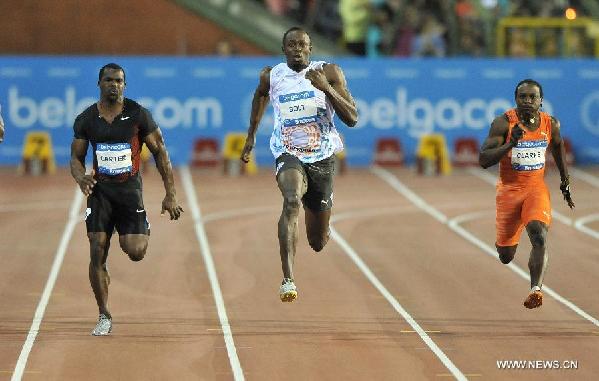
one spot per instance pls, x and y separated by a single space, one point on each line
454 225
74 218
584 176
348 250
582 221
191 195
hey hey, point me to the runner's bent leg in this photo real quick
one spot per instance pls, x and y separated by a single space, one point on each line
537 263
134 245
98 274
317 228
506 253
293 186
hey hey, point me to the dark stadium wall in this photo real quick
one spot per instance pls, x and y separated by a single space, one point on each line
100 27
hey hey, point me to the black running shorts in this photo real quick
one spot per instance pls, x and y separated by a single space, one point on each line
319 177
117 206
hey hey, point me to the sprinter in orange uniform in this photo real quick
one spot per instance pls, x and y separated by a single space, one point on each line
518 140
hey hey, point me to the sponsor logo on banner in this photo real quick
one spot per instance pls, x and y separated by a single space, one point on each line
421 116
589 113
54 112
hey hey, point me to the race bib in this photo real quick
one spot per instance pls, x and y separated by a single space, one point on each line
529 155
298 108
114 158
300 132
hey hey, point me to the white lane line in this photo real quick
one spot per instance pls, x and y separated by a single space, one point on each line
584 176
594 181
366 270
580 224
489 178
211 270
349 251
453 224
74 218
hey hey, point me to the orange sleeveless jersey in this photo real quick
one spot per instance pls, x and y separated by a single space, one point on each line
522 195
525 163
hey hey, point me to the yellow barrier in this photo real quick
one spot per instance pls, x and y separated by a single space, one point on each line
432 153
232 149
529 26
37 155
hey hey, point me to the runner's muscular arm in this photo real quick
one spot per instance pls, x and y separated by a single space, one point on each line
331 81
558 151
78 151
495 145
259 103
155 143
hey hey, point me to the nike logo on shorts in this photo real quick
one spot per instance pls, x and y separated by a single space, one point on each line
125 117
139 210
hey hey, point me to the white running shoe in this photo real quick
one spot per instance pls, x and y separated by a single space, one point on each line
104 326
288 291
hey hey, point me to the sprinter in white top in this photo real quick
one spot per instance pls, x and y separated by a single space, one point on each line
305 96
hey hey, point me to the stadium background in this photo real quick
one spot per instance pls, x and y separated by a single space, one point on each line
197 70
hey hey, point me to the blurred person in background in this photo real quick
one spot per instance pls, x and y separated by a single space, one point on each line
518 43
305 95
117 127
224 48
355 15
408 25
429 42
518 141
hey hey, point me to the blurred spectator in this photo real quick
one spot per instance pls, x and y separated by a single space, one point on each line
277 7
406 32
355 15
376 41
470 28
575 43
548 45
325 19
435 27
224 48
429 42
518 43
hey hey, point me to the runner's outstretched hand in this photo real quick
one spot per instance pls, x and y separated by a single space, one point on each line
247 149
565 188
170 205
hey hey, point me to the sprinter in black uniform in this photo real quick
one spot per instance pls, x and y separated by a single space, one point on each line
116 127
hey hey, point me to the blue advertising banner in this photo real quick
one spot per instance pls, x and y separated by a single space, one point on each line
193 98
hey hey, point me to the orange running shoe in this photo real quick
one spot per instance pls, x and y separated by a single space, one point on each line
534 299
